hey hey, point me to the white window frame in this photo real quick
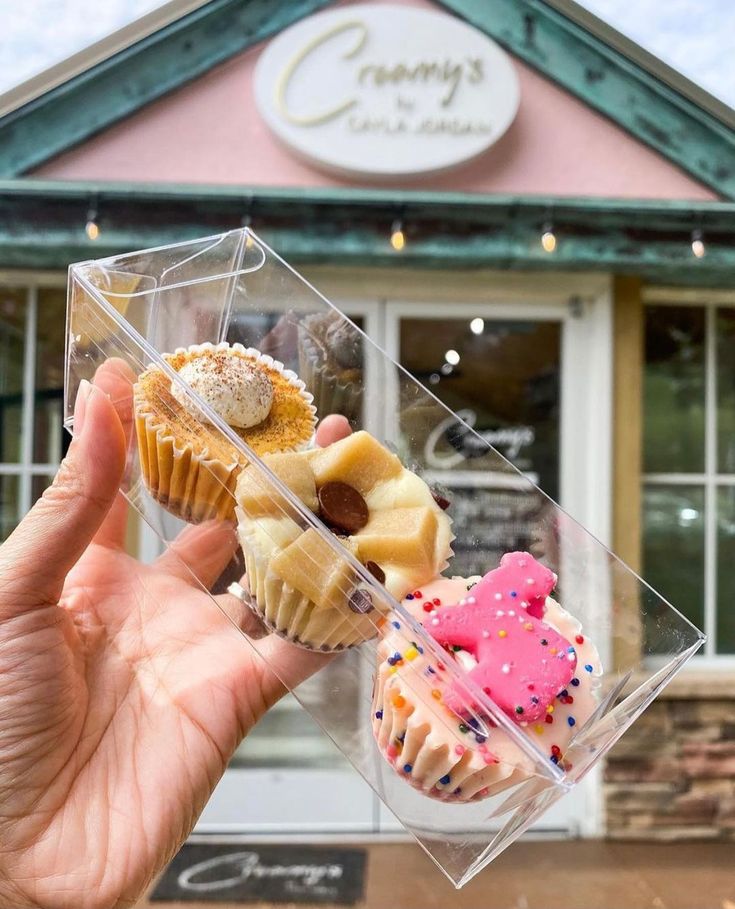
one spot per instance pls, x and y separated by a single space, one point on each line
710 480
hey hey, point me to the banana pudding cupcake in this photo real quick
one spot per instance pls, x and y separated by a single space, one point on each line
189 465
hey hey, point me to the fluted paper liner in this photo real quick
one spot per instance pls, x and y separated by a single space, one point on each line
193 485
291 614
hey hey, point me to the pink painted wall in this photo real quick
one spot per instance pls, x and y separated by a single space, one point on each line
210 132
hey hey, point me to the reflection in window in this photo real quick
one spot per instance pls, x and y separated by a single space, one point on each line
503 379
725 574
674 382
49 437
9 505
726 390
673 547
12 341
506 373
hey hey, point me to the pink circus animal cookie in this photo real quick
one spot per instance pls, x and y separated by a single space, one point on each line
522 662
461 758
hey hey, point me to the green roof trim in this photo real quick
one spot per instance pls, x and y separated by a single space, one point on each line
117 87
544 38
43 227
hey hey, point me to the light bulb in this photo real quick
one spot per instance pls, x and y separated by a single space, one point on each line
452 357
548 238
397 237
92 228
477 326
698 247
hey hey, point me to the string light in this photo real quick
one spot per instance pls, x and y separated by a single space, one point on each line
477 326
452 357
92 228
698 247
245 223
548 237
397 237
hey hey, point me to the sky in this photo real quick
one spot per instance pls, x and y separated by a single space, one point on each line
696 37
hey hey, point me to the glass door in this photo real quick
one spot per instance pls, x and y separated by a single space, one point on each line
531 376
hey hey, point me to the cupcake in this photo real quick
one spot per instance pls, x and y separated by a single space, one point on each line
385 516
188 464
514 642
331 363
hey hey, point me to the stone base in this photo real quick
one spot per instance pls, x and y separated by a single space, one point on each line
672 776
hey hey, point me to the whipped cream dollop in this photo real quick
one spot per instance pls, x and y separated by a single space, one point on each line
235 388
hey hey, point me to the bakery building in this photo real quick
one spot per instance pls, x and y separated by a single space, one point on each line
527 211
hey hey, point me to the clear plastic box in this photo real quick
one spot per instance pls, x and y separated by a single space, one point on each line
233 288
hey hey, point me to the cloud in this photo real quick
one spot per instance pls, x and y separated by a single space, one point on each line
695 37
37 34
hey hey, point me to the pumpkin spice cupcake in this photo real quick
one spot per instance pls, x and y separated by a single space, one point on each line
190 466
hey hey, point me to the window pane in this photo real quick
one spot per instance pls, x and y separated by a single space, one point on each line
726 390
287 737
673 416
673 548
725 574
12 335
38 484
506 373
49 437
9 487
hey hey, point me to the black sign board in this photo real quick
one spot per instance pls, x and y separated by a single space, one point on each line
247 873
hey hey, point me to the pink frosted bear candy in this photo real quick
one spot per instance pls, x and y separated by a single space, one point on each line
522 663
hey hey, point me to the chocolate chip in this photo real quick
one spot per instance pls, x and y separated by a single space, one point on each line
360 601
376 571
442 502
342 507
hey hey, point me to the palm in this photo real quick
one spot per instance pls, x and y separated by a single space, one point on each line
146 690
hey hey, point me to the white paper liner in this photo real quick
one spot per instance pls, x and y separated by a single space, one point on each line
288 612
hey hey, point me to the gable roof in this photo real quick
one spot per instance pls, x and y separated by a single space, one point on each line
573 55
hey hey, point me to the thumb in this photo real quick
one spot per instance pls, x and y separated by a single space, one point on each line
48 542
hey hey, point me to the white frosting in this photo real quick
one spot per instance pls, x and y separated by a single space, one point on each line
238 390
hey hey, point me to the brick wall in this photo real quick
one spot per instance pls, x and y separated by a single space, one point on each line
672 775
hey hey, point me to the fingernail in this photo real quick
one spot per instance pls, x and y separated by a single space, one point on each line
80 405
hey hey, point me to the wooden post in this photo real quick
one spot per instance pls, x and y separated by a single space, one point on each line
628 359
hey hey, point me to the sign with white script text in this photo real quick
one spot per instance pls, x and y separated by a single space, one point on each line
205 872
386 91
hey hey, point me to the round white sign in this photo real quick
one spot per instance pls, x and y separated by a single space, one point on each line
386 91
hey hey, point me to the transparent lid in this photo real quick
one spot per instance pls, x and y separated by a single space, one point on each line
466 731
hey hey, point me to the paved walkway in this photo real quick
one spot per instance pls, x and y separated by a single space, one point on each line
551 875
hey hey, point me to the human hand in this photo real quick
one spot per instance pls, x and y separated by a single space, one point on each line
123 690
